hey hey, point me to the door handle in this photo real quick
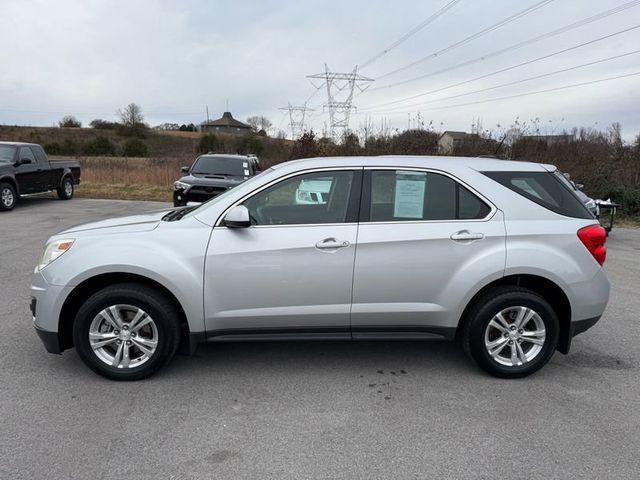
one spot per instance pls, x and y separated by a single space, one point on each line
331 244
466 235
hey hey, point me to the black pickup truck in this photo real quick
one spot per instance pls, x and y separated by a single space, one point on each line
25 169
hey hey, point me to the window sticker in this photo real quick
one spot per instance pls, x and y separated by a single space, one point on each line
410 188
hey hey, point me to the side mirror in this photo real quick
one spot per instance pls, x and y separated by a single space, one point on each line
185 169
237 217
25 161
579 186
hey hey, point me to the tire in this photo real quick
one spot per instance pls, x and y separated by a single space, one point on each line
8 197
489 326
66 190
128 299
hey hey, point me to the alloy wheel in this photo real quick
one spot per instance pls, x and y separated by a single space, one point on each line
515 336
123 336
7 197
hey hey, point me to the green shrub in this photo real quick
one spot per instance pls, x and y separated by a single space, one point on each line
135 147
99 146
100 124
68 147
208 143
69 121
250 144
628 197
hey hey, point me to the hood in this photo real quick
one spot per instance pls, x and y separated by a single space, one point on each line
134 223
213 180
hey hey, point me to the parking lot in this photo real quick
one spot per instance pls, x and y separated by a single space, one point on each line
312 410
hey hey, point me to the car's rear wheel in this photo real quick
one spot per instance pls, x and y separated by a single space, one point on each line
126 331
510 332
8 196
65 190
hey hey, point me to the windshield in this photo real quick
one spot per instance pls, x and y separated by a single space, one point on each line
209 165
7 152
224 195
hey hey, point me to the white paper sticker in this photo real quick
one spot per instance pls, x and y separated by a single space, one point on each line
410 188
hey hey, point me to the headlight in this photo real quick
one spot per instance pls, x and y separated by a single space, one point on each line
178 185
53 250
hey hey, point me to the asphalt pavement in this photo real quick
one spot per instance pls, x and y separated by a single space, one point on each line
387 410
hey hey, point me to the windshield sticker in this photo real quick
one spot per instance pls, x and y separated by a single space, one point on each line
410 188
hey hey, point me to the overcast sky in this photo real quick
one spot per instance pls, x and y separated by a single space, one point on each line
88 58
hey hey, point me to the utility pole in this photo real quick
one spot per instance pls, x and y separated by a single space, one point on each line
340 87
296 119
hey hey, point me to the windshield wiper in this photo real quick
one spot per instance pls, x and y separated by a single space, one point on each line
175 215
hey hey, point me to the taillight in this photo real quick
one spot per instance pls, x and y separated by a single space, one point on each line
593 237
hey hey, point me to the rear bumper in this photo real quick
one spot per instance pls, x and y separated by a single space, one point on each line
582 325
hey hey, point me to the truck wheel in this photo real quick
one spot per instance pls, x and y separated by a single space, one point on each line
510 332
8 196
126 331
65 191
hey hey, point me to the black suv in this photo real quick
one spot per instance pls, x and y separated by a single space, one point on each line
212 174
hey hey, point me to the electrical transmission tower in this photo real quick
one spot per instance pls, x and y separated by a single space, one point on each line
296 119
340 87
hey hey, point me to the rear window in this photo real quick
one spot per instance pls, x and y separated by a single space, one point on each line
544 189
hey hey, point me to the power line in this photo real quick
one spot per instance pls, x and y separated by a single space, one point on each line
516 46
470 38
340 88
410 33
502 70
564 87
535 77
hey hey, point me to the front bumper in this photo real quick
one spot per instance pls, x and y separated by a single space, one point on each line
50 340
46 304
199 195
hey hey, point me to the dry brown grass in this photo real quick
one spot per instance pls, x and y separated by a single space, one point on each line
161 172
124 191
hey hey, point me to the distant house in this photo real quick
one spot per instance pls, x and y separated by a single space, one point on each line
548 139
226 124
450 139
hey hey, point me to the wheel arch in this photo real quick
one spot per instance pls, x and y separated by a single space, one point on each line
12 181
91 285
548 289
66 172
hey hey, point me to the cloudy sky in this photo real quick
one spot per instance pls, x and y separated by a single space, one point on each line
88 58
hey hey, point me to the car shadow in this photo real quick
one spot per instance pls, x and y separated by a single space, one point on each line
292 356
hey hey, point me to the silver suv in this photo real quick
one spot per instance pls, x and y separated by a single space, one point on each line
501 256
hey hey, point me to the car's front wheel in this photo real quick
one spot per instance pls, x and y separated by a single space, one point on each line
510 332
8 196
126 331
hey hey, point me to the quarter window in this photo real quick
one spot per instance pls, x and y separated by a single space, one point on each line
320 197
410 195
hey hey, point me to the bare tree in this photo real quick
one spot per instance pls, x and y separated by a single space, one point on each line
254 123
131 116
259 122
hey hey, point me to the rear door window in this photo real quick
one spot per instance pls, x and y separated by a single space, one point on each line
544 189
412 195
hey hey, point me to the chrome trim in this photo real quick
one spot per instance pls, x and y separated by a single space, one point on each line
493 209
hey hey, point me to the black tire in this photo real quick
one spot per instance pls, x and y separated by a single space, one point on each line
8 197
164 315
483 311
66 189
